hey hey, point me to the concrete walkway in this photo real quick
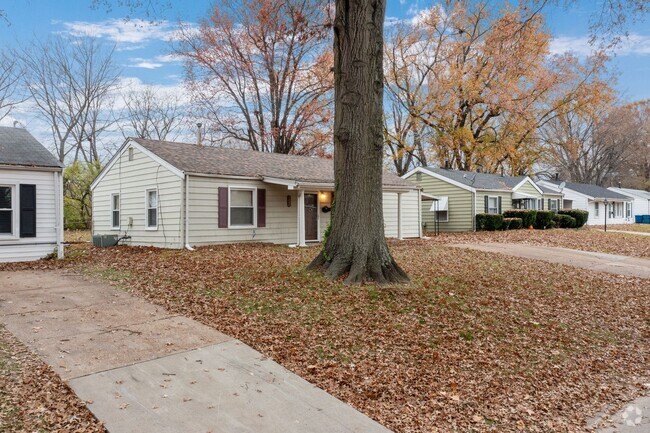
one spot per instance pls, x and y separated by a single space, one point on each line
142 369
629 232
601 262
633 418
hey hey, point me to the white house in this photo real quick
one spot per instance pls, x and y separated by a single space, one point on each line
176 195
597 200
640 200
31 198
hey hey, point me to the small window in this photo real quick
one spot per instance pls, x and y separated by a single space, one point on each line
152 209
552 205
493 205
115 211
442 216
597 209
242 211
418 176
6 210
130 154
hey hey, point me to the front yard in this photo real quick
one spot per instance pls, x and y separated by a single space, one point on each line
474 343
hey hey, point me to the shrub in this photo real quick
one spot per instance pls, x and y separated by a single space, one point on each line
489 221
581 216
564 221
527 216
512 223
544 219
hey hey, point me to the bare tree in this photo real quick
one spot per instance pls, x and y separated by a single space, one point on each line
10 90
71 81
151 115
592 147
260 71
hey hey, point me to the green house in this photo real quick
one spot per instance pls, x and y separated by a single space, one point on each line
452 198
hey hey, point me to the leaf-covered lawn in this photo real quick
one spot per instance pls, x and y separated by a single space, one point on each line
33 398
475 343
586 239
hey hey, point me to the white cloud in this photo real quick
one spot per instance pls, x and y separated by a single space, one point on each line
123 32
145 65
635 44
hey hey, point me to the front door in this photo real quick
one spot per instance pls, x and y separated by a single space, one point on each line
311 217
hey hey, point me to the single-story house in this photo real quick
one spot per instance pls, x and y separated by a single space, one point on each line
593 198
31 198
176 195
640 200
460 195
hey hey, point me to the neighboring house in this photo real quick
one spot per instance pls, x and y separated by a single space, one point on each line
460 195
31 198
640 200
592 199
176 195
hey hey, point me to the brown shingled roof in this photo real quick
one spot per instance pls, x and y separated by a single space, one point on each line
192 158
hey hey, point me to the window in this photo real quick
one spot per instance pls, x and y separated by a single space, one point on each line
552 205
241 209
152 209
442 216
540 203
628 210
115 211
6 210
493 205
130 154
596 209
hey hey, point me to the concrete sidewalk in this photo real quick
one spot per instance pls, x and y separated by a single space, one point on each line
142 369
629 232
601 262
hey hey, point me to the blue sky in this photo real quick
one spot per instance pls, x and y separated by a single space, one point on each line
143 51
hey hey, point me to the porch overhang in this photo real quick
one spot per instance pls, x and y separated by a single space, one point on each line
522 195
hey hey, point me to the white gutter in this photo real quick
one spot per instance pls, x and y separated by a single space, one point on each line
187 213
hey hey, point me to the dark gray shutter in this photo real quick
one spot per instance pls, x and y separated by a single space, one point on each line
549 204
261 207
486 204
542 200
499 205
27 211
558 204
223 207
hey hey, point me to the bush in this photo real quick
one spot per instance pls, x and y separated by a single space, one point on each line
564 221
543 219
527 216
512 223
581 216
489 221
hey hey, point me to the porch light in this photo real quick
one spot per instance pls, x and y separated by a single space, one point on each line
323 196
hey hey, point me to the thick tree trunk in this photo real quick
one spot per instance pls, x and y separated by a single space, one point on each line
356 245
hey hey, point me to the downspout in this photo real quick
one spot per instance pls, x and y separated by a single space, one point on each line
474 210
58 177
187 213
420 213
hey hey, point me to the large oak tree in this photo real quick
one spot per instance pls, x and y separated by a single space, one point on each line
356 244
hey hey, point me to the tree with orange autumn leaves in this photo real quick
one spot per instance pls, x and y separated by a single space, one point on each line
472 86
259 72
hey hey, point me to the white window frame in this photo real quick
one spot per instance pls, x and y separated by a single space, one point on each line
496 204
131 153
553 205
254 204
146 209
596 209
119 210
14 214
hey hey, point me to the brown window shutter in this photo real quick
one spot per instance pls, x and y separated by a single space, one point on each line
223 207
261 207
486 203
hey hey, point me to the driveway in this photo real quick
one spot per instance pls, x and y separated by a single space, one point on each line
142 369
601 262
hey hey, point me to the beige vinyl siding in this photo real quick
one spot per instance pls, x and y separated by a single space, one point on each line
131 179
460 204
14 248
506 200
528 188
281 220
410 220
547 196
